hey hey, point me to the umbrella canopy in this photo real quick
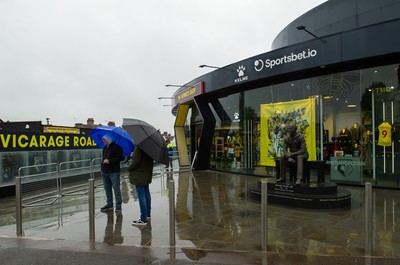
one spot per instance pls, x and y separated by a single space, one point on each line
119 136
148 138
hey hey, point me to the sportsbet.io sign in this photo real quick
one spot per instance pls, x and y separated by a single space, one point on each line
36 141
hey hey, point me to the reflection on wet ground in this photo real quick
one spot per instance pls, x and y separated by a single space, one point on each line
214 213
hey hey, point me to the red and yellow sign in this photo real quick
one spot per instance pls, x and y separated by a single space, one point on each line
189 92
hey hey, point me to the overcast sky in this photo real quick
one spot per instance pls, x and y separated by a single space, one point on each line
70 60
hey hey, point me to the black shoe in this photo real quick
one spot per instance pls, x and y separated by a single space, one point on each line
106 208
139 223
118 209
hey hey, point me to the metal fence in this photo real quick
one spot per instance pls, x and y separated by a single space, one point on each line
180 163
44 184
48 186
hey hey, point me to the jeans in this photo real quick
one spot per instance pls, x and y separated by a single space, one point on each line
111 181
144 196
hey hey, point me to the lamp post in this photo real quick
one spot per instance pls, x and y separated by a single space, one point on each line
209 66
215 67
171 98
301 27
169 85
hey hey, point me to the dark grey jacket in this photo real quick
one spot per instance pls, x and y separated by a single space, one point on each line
140 168
112 152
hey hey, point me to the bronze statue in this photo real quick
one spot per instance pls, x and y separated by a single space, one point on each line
294 151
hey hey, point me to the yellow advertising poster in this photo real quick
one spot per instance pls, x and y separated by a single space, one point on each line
273 119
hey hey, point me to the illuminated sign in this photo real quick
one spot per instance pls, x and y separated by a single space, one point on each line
382 89
189 93
55 129
260 64
36 141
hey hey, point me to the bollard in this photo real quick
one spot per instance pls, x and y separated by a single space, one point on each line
264 260
368 218
18 203
172 252
91 211
171 187
264 220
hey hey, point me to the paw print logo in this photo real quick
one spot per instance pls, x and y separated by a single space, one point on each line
241 70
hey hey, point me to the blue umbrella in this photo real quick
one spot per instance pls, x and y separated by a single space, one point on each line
119 135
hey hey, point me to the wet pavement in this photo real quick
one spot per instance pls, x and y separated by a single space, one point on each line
216 223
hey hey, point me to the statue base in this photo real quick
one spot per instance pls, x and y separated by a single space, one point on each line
310 196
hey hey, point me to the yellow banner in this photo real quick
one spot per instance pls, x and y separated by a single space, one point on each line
273 118
55 129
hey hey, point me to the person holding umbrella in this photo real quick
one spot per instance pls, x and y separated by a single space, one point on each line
150 148
112 155
141 175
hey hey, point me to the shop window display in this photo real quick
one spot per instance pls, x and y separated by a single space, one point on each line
345 121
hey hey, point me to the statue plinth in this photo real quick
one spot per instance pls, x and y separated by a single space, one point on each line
311 195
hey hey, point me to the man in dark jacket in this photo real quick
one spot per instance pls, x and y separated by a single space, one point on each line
110 171
140 175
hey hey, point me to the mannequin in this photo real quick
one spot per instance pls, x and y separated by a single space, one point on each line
344 136
355 132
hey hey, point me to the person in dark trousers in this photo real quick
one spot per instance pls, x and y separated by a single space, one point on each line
170 148
141 175
112 155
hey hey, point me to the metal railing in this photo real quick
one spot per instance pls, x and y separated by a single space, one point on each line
48 186
176 168
78 168
41 185
47 182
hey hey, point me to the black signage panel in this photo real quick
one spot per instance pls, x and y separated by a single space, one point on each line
316 53
44 141
359 44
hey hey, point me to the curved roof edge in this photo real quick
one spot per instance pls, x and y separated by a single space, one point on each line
363 41
336 16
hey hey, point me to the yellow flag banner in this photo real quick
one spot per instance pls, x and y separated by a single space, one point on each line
273 119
